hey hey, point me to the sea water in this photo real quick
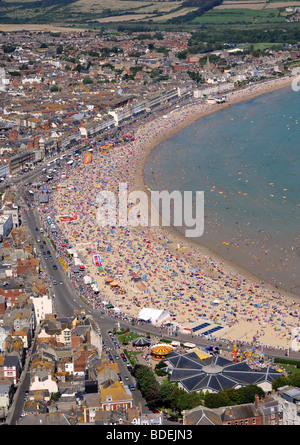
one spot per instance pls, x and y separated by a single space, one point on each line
246 159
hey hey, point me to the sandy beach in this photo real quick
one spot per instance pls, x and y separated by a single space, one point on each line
157 267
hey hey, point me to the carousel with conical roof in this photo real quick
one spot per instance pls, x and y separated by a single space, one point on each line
160 351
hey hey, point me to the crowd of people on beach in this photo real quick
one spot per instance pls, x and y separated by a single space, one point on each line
150 266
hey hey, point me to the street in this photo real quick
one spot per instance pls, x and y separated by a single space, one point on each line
66 299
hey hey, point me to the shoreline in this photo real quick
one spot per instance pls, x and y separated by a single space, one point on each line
247 307
140 182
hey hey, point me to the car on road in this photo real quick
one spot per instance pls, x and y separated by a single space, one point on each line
60 282
41 246
54 281
126 377
54 266
172 419
117 357
131 386
48 252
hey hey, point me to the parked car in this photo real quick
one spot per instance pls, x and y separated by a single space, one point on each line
172 419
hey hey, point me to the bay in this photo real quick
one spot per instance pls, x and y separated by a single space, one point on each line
246 159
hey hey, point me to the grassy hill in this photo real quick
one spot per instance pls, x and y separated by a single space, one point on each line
169 15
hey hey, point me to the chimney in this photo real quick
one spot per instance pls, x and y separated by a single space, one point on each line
256 401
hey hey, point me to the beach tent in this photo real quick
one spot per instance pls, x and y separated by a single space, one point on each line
141 341
97 259
215 302
154 316
77 261
72 252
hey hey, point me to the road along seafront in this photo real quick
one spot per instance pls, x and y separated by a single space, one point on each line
188 281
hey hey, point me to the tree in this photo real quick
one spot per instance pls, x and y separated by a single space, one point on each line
182 54
87 80
78 68
55 396
8 48
145 378
230 397
165 391
152 396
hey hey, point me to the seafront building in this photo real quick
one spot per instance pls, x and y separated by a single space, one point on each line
57 91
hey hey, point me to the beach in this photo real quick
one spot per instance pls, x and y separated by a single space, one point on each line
157 267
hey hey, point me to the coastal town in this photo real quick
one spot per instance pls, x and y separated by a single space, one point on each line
73 103
60 89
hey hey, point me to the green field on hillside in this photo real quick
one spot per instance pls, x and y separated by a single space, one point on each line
239 16
90 14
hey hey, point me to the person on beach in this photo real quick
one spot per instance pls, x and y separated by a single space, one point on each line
185 281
